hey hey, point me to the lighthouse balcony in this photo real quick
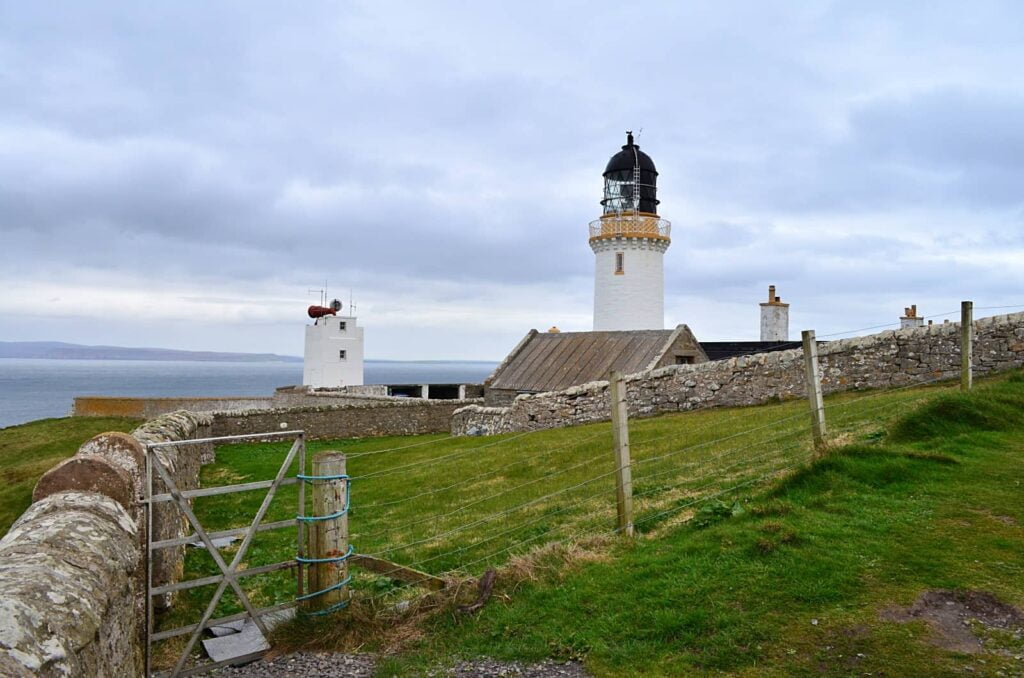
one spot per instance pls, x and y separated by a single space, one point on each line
630 225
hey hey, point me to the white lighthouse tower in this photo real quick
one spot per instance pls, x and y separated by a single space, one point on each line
629 243
334 349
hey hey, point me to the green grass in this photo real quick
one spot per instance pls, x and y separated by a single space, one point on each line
30 450
459 506
794 584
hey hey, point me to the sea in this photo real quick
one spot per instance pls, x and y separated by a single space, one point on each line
33 389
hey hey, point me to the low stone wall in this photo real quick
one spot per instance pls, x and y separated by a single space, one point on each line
301 396
72 567
148 408
68 589
183 462
887 359
379 417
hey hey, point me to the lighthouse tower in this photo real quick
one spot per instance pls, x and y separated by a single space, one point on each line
629 243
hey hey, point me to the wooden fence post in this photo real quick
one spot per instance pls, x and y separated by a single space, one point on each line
966 345
814 397
328 538
624 474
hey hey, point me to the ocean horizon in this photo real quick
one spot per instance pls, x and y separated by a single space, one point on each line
41 388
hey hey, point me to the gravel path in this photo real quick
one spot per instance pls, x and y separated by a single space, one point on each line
330 665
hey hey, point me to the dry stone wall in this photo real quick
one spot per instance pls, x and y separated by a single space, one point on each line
68 589
149 408
183 463
884 360
72 567
374 417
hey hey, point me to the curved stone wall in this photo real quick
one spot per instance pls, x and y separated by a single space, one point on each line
72 567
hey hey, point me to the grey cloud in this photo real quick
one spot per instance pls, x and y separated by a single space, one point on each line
460 146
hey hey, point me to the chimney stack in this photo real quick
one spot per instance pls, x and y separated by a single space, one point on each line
910 319
774 318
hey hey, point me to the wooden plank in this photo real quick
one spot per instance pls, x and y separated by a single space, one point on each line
398 572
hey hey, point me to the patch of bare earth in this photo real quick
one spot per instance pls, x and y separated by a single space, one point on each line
954 615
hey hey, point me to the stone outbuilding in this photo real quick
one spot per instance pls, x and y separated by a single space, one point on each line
552 361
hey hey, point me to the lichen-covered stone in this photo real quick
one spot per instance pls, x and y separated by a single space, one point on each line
888 359
67 577
183 463
88 473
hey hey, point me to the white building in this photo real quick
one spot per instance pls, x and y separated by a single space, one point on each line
629 243
774 318
334 350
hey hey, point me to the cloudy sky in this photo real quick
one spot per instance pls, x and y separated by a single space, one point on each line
180 174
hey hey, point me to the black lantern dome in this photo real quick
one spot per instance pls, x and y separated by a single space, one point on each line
630 181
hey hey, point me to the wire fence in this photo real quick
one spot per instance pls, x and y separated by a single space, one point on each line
452 506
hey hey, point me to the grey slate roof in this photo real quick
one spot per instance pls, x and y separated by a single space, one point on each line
549 362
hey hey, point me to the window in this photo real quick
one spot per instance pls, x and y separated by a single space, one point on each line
684 360
342 325
620 260
341 354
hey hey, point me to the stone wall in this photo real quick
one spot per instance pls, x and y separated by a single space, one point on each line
72 567
888 359
303 396
183 463
377 417
68 588
148 408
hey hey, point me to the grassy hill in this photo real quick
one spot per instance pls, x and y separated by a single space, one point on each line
827 572
734 595
30 450
898 552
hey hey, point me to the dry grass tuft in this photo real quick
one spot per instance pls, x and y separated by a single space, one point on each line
393 625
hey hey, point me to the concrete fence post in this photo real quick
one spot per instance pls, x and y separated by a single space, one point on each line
623 472
814 397
966 345
328 538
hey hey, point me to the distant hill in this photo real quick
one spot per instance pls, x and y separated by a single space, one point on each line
58 350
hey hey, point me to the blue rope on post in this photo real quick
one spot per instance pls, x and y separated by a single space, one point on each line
333 559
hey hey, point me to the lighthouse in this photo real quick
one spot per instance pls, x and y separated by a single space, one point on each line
629 243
